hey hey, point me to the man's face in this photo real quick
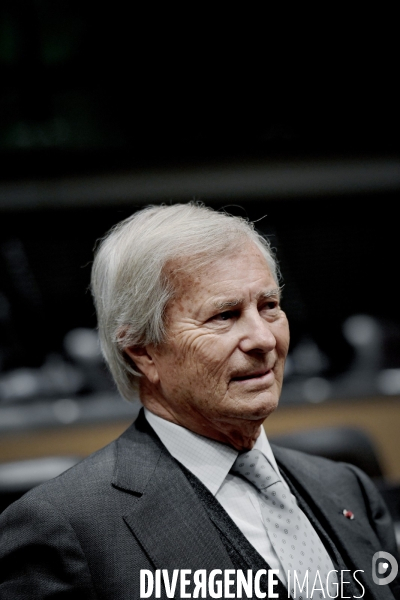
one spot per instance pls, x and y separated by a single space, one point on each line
227 340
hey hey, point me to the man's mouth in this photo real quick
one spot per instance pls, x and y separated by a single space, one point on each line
254 375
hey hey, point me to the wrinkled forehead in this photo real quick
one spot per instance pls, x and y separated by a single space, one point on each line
187 275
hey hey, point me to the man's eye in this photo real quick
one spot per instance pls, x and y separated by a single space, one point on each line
271 305
225 316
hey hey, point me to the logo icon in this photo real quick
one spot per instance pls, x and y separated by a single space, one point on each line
385 564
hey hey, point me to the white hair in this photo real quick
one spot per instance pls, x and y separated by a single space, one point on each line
132 285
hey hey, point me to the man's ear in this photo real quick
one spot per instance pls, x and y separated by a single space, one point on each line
143 359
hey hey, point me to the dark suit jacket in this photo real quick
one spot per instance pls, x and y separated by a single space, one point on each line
86 534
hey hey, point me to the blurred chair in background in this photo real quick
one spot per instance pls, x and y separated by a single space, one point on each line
345 444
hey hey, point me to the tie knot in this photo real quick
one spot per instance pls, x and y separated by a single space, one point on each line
257 469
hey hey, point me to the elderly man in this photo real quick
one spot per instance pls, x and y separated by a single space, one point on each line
192 501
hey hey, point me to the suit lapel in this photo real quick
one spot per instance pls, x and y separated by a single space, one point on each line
166 516
352 537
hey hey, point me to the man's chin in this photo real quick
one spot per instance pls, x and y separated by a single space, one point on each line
257 408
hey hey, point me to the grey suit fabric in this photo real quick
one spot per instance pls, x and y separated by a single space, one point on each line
242 554
86 534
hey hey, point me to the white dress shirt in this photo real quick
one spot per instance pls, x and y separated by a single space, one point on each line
210 461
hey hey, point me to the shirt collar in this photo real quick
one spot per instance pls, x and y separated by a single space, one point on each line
209 460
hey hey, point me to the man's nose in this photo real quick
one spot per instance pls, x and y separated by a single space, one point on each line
256 334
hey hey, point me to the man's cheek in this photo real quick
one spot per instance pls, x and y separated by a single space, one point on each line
212 372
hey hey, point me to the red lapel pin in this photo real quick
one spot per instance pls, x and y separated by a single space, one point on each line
348 514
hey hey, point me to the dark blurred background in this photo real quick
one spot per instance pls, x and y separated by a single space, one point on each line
280 118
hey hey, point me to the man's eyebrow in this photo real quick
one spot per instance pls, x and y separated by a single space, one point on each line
221 305
228 303
276 292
